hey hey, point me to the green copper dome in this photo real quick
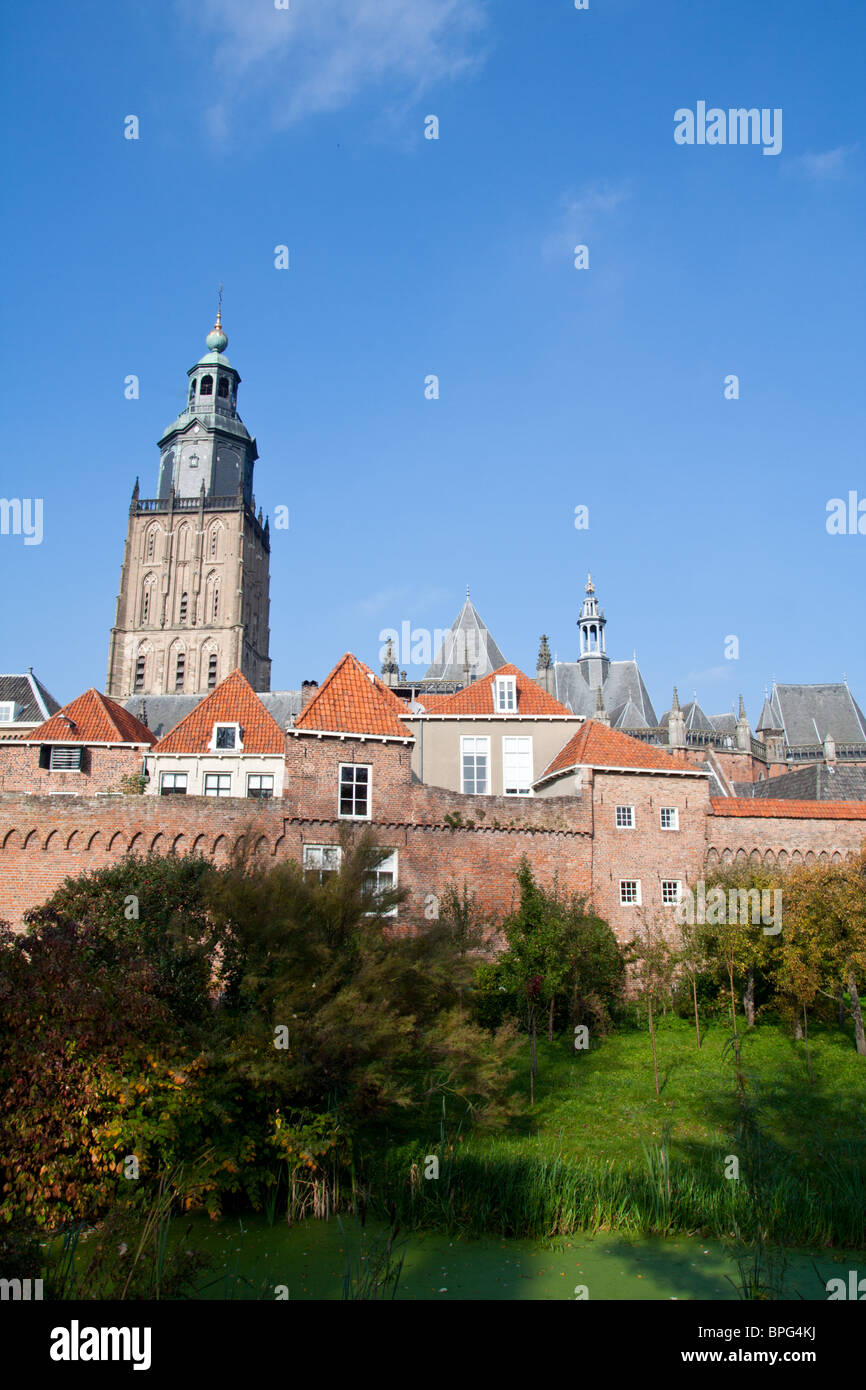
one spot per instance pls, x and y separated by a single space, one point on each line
216 339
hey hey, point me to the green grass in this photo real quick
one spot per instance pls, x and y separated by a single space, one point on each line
602 1103
600 1151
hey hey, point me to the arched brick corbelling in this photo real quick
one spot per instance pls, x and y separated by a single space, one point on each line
135 843
712 855
769 858
199 845
52 835
71 838
220 846
783 859
742 857
178 844
810 857
92 841
8 840
114 839
823 857
157 844
32 835
755 857
796 857
263 845
837 858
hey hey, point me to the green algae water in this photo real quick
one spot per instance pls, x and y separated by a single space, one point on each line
308 1261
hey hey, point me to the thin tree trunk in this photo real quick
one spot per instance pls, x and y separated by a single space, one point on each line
550 1019
653 1038
808 1053
697 1015
749 999
840 1005
856 1014
798 1028
733 1003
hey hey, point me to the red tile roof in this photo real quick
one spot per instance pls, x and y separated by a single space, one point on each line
595 745
232 702
477 698
95 719
353 700
812 810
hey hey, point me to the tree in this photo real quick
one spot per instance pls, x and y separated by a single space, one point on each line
558 955
826 907
652 962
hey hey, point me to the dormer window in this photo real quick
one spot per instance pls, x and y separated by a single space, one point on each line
7 712
505 695
206 388
226 738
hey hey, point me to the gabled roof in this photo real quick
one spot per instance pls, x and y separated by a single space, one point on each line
232 702
353 700
92 718
808 713
468 644
623 690
30 696
162 713
595 745
478 697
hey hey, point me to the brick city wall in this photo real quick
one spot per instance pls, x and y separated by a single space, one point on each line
44 840
820 831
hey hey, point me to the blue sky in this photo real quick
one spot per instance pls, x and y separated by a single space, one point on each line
409 257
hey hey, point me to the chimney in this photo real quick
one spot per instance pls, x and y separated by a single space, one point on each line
308 690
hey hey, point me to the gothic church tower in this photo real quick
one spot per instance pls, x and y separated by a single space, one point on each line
194 584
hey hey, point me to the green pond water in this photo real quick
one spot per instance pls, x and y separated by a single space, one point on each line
310 1260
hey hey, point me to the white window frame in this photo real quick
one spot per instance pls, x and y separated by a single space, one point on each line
238 744
516 790
315 859
353 768
672 883
674 813
7 711
630 902
473 739
505 695
625 825
174 791
262 776
221 776
388 866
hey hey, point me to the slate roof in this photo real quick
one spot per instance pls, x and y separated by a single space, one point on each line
232 702
815 782
469 638
595 745
478 697
625 695
808 713
162 713
354 700
807 810
92 718
30 695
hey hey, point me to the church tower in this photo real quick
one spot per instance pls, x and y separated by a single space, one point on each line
194 585
593 662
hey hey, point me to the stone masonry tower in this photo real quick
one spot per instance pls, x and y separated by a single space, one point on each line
194 584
